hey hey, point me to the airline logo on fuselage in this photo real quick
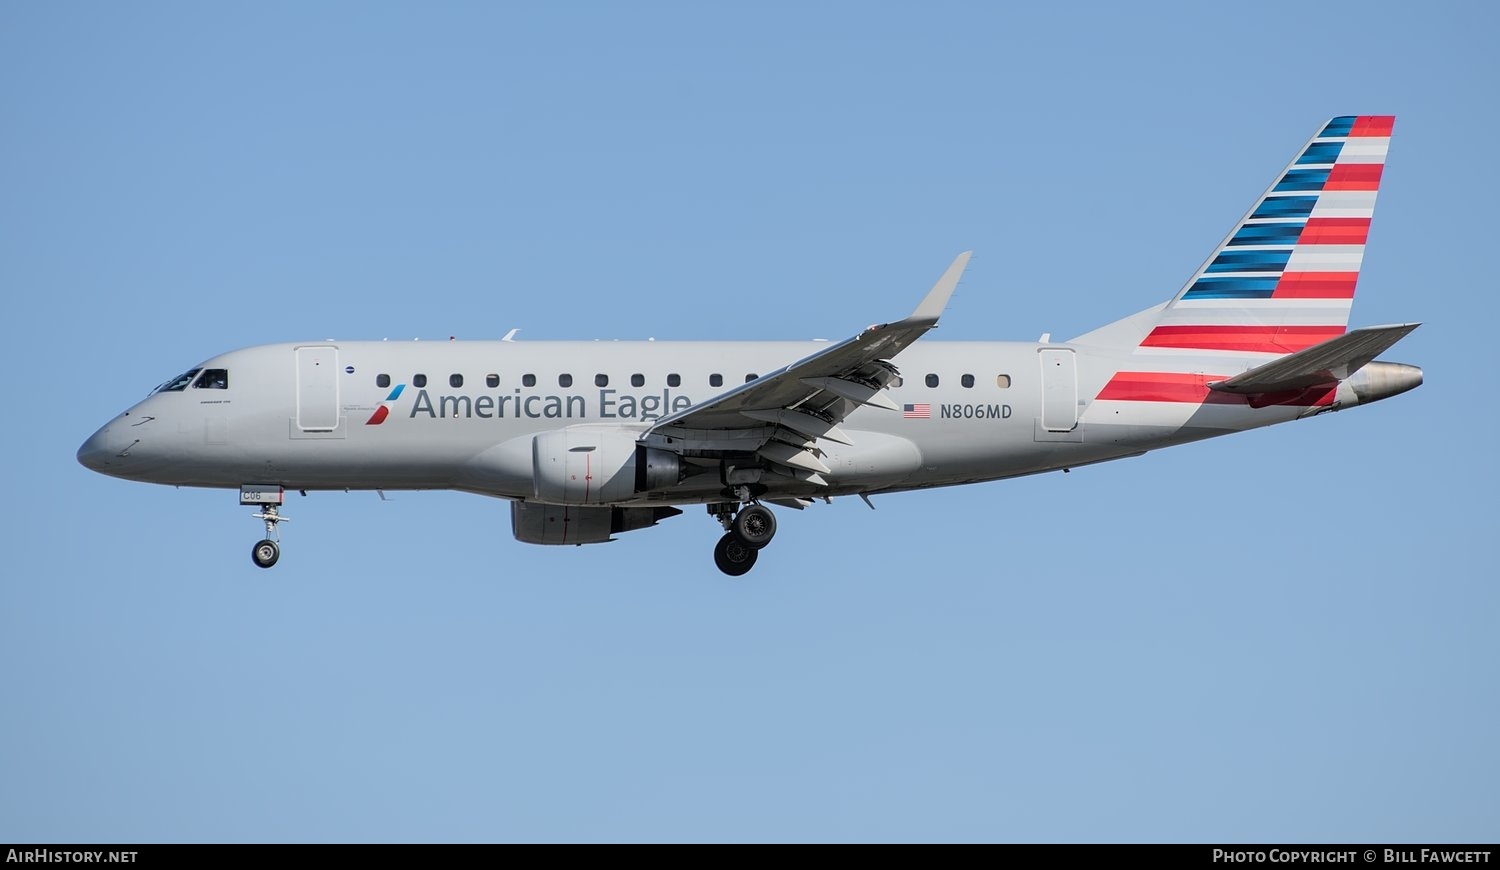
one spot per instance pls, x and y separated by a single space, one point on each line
609 405
385 407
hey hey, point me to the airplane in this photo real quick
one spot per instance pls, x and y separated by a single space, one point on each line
588 440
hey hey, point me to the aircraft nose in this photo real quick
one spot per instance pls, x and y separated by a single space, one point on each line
101 451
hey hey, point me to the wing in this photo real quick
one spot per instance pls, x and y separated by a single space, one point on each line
1322 364
782 415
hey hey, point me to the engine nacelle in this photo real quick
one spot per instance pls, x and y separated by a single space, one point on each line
561 524
585 465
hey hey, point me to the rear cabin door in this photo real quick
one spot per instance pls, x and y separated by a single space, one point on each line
1059 389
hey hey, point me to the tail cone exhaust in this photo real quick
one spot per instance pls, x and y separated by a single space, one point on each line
1381 380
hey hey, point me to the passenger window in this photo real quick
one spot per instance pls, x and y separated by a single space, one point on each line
565 380
967 381
528 380
932 380
637 380
212 379
419 381
455 381
749 378
713 381
492 380
601 380
382 381
1002 381
674 380
179 383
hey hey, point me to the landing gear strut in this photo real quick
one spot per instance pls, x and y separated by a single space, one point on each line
747 530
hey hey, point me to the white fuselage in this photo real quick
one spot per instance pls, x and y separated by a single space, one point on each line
300 415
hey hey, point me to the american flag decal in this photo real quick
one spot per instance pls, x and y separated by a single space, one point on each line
921 411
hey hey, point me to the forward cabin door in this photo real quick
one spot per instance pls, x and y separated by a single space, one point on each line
318 388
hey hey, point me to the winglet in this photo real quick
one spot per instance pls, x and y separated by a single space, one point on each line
937 298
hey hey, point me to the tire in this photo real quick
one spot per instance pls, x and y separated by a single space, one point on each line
265 553
733 557
755 526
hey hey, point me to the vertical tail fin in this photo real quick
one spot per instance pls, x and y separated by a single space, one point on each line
1284 277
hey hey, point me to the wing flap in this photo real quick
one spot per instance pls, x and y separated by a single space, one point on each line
1322 364
795 504
813 427
854 391
793 457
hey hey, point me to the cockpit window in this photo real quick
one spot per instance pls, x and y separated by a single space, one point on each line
212 379
179 383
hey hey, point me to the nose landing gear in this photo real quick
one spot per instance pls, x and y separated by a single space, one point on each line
746 532
268 498
265 553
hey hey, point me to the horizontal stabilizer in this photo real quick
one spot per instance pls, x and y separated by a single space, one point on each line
1322 364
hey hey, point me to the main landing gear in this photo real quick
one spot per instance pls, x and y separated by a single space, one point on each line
746 533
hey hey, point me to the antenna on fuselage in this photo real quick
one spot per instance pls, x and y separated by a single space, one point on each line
511 336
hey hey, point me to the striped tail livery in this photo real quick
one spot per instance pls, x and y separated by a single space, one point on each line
1283 280
1264 320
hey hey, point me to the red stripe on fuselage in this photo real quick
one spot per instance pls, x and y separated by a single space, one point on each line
1166 387
1189 388
1249 339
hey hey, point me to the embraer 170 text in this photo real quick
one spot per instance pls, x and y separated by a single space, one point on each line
591 439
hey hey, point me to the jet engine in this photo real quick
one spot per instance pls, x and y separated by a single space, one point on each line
583 465
561 524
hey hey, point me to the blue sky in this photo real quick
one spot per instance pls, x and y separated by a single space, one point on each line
1284 635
